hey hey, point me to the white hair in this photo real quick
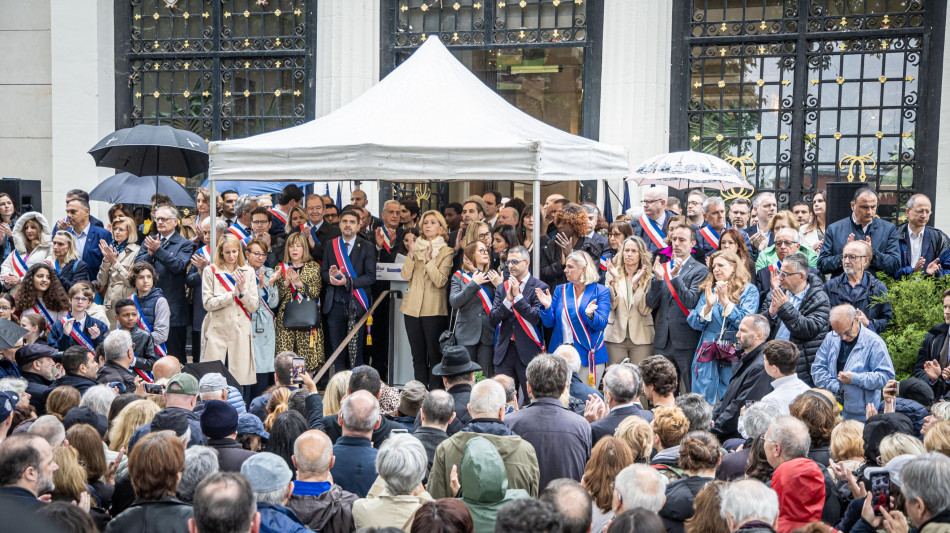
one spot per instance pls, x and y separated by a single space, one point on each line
200 461
748 499
12 384
569 353
641 486
488 397
117 345
99 399
402 463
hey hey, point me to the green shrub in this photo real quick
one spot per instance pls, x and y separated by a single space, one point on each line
917 307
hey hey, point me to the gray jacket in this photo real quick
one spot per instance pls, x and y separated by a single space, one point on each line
472 325
673 334
561 438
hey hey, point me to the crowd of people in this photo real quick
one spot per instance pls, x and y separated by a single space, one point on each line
707 370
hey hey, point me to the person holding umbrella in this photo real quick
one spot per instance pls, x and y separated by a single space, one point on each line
169 254
31 243
117 258
229 294
42 294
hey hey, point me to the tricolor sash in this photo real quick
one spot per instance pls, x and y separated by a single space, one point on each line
264 295
668 277
227 280
293 290
710 235
19 264
78 335
343 262
40 309
387 242
238 232
528 327
143 323
580 332
278 215
313 235
774 267
205 252
653 231
603 262
484 294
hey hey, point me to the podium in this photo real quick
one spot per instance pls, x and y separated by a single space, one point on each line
400 357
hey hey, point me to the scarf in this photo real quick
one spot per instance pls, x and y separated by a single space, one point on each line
421 245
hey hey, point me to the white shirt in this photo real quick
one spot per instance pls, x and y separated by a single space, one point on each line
916 243
786 389
518 298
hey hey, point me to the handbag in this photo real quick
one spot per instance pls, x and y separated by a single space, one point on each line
302 315
447 338
720 350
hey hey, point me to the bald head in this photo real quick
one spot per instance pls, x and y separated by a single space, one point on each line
359 414
166 367
313 452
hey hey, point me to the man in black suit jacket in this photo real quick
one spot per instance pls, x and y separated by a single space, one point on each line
170 254
321 231
287 199
749 381
673 336
341 283
654 211
517 294
622 391
389 236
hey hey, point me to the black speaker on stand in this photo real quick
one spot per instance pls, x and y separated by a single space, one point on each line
24 193
838 200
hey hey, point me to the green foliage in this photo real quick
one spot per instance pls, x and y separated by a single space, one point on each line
917 306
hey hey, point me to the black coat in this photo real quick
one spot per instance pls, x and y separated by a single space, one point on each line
930 351
73 271
171 261
461 393
80 383
749 383
112 371
529 308
607 425
807 325
147 516
363 259
331 426
36 385
231 455
679 502
552 271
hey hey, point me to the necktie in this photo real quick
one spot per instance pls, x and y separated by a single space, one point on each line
943 351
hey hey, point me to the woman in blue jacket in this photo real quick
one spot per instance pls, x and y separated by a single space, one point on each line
578 311
728 296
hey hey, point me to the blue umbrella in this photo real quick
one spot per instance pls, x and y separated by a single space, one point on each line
128 188
626 197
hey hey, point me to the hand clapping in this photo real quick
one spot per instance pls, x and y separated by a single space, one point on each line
544 297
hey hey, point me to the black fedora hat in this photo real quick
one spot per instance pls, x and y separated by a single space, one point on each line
455 361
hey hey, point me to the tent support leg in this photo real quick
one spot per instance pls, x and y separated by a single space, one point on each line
214 210
536 238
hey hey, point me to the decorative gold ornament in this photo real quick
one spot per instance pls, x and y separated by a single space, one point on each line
840 80
404 8
247 42
277 41
842 46
186 44
155 15
137 16
155 45
697 85
758 136
843 21
277 63
501 5
723 27
156 66
521 34
185 15
786 82
227 14
556 3
763 25
783 137
227 94
247 93
882 79
814 81
906 134
297 12
276 12
296 93
578 2
156 94
277 92
522 4
205 94
837 135
909 78
555 33
719 137
813 136
456 6
247 14
861 160
247 64
187 65
884 45
886 19
760 83
721 84
879 135
695 138
722 52
478 5
138 95
424 7
424 37
205 15
186 94
743 163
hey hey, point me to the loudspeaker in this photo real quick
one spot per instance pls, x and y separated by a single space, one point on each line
24 193
838 200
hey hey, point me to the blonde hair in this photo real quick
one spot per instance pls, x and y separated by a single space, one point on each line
133 234
585 262
638 435
336 390
276 405
70 476
471 232
128 420
70 245
786 216
737 282
227 239
937 438
645 257
898 444
444 232
847 440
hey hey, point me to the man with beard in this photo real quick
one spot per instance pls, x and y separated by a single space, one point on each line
26 470
749 381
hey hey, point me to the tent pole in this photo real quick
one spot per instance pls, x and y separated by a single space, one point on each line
538 220
214 210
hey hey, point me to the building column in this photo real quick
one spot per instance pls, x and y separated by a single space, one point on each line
635 83
83 97
347 65
941 204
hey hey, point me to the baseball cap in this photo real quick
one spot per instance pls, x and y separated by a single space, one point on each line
31 352
182 384
212 382
8 401
411 397
893 468
248 423
267 472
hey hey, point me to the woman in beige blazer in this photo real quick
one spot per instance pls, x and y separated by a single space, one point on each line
629 332
117 259
226 330
425 306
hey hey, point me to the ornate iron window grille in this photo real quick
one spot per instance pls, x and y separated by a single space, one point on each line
805 87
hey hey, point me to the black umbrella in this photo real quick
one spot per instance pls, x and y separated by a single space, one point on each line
128 188
10 332
153 150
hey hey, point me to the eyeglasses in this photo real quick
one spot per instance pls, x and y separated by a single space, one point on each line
265 221
648 202
6 309
851 257
257 254
484 236
510 262
785 243
161 219
80 299
782 274
616 234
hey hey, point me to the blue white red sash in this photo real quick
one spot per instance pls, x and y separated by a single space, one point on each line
78 335
227 280
775 267
653 231
41 310
579 331
19 264
239 232
484 294
710 235
293 290
603 262
278 215
205 252
528 327
668 277
343 262
387 242
264 294
143 323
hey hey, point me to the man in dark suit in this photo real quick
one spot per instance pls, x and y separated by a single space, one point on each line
864 225
349 279
672 294
921 246
593 216
787 242
708 234
363 378
354 468
622 391
765 206
516 308
749 381
170 254
290 197
321 231
389 236
651 227
87 235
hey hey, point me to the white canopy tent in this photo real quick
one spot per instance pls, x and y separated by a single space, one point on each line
429 119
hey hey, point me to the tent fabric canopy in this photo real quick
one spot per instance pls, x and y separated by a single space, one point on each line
429 119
